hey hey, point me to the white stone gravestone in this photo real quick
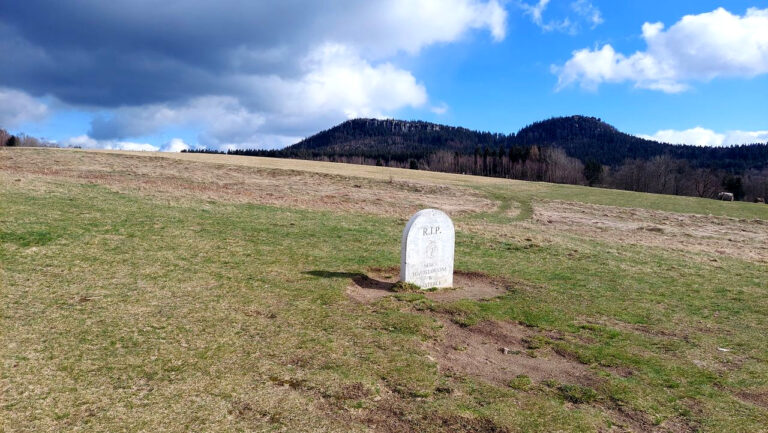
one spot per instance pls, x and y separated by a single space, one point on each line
426 253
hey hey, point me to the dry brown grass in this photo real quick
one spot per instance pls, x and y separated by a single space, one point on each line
296 184
332 168
723 236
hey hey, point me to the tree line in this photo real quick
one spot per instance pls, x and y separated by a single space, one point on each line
22 140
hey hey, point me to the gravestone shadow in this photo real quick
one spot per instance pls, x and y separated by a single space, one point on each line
362 280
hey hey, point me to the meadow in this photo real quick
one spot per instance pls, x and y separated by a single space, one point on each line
189 292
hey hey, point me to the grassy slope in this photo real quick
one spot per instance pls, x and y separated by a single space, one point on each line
123 313
498 188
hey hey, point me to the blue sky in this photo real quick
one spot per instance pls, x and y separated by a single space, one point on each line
135 75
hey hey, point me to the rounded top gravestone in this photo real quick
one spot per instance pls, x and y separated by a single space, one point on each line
426 254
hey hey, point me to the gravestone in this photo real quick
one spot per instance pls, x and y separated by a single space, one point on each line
426 252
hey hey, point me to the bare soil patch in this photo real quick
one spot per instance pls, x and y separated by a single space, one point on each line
378 283
392 416
739 238
498 352
628 420
759 398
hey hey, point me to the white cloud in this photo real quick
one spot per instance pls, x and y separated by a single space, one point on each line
699 136
338 80
335 83
584 11
217 113
588 11
440 108
175 145
17 107
86 142
219 119
535 11
407 25
746 137
698 47
285 72
279 85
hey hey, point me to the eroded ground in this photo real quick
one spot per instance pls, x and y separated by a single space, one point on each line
379 283
742 238
501 353
494 351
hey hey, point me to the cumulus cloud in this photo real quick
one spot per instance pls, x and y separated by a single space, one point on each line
698 47
336 83
218 114
240 72
175 145
440 108
582 11
17 107
745 137
535 11
386 27
588 11
86 142
699 136
336 79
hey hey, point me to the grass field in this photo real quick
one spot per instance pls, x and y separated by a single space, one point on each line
183 292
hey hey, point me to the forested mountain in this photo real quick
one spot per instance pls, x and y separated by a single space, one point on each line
589 138
583 138
395 140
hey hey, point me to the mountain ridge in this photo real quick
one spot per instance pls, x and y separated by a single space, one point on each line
582 137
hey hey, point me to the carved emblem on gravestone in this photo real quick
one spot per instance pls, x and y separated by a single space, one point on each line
431 249
426 254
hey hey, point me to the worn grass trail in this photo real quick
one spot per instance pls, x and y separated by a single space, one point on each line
126 311
511 189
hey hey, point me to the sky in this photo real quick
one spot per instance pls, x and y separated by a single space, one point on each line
173 75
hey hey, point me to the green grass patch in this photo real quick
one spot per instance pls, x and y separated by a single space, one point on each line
134 313
30 238
521 383
578 394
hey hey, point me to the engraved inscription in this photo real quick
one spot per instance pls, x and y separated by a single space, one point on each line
430 231
427 250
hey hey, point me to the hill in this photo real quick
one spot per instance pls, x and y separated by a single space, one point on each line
589 138
176 292
395 140
584 138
